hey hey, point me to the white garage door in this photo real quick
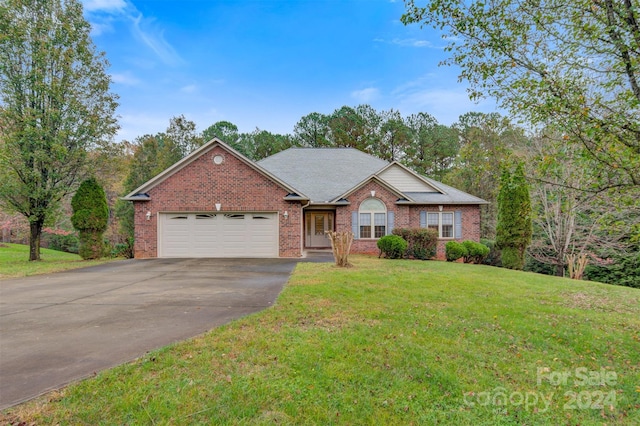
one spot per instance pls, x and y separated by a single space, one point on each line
218 235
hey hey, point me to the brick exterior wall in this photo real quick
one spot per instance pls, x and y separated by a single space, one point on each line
198 186
343 214
470 223
405 216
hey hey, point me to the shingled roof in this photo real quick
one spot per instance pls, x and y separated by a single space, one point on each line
324 174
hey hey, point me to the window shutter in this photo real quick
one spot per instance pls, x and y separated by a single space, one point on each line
458 224
354 225
423 219
390 222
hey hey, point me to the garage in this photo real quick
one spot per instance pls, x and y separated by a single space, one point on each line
215 234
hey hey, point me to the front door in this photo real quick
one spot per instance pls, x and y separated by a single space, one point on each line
317 224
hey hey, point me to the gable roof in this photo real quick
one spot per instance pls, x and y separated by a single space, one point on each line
450 195
329 175
406 179
322 173
140 193
436 193
402 197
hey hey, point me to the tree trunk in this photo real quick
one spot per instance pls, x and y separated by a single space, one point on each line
559 270
560 259
341 246
34 239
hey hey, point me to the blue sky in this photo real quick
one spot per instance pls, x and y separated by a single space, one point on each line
268 63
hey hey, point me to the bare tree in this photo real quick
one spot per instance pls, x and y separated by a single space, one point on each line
572 225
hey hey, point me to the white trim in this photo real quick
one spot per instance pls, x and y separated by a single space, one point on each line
372 216
440 214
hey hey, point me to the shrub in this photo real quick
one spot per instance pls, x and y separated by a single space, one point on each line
90 217
421 242
67 243
341 246
392 246
454 251
124 249
476 252
493 258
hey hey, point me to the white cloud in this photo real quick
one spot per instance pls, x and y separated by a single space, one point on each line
447 105
154 40
424 81
446 102
101 14
125 78
366 95
409 42
98 28
109 6
104 14
191 88
133 125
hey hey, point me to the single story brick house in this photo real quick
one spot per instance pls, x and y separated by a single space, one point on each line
217 203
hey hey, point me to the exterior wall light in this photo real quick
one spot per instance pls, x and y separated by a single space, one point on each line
286 214
373 193
148 215
218 206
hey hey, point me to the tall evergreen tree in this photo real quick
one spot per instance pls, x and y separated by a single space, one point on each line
514 229
90 218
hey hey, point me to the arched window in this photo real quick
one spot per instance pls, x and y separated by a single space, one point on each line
373 218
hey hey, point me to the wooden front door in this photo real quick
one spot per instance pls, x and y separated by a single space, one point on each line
316 224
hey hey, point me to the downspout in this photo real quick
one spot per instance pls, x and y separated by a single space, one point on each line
302 223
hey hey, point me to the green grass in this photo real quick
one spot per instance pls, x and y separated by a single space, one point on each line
14 261
387 342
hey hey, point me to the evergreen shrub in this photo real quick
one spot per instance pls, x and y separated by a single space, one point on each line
392 246
493 258
476 252
421 242
454 251
90 217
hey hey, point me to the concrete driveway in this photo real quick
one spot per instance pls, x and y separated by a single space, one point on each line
58 328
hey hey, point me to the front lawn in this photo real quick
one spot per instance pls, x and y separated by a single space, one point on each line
387 342
14 261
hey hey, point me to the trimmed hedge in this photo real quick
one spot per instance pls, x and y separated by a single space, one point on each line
422 242
476 252
392 246
454 251
469 251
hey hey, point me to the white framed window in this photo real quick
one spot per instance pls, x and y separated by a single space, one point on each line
372 218
443 222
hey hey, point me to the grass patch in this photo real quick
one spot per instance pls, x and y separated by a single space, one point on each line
387 342
14 261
